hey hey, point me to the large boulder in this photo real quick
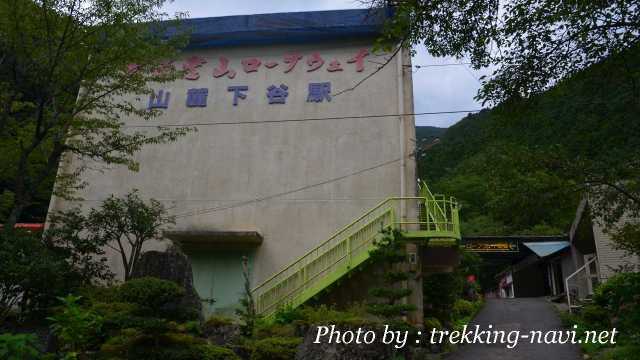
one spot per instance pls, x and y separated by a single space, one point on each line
174 266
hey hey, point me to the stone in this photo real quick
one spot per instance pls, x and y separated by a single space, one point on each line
174 266
222 335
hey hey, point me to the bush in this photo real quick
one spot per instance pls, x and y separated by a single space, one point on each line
463 308
19 347
116 315
217 320
355 315
595 317
620 290
151 293
275 348
431 323
77 329
136 344
619 297
441 290
265 330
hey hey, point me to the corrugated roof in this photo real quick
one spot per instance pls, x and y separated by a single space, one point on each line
547 248
294 27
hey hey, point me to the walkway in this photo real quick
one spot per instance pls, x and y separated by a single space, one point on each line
524 314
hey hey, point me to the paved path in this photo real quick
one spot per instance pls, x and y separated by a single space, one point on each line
524 314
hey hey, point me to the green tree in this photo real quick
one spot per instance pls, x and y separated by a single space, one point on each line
36 269
390 254
121 224
535 158
532 44
65 66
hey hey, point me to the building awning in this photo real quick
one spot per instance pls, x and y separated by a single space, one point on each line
216 239
543 249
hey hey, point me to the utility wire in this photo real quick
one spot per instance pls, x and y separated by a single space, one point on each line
302 119
438 65
268 197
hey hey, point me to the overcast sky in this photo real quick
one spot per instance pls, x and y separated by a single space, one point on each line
442 88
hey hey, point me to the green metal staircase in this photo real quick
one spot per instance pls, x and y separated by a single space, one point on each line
430 218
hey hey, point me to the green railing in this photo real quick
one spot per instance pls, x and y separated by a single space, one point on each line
429 216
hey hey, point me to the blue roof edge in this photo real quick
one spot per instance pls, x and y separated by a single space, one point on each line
281 28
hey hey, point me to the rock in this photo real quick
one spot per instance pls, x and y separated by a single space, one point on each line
173 266
221 334
325 351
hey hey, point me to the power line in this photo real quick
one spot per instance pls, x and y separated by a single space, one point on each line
264 198
438 65
303 119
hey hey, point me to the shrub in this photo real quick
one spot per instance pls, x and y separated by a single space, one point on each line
288 315
19 347
441 290
463 308
137 344
212 352
77 329
620 298
99 294
150 293
275 348
620 290
622 352
35 271
432 323
265 330
119 346
217 320
595 317
355 315
191 327
196 352
116 315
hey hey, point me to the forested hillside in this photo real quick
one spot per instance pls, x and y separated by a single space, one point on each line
520 167
429 132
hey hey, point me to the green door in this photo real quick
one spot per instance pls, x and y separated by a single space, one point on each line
217 276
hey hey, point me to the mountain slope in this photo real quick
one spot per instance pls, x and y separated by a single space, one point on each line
514 167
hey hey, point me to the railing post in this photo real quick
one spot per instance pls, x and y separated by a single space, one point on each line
349 250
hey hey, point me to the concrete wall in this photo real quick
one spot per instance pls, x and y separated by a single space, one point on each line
239 169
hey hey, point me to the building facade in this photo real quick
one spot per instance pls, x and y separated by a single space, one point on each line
300 130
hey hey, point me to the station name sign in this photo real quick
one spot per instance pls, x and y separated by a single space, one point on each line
491 246
194 67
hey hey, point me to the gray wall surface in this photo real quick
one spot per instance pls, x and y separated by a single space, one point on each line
237 171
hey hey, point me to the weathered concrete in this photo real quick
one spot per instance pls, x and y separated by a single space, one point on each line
524 314
294 183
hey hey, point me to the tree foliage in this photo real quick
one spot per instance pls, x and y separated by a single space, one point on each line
531 44
522 166
124 225
36 269
390 255
65 68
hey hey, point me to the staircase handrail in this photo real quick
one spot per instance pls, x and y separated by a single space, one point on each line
566 280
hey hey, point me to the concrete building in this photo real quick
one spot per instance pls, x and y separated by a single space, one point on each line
299 135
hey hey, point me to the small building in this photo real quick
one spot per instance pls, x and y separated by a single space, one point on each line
538 271
573 264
